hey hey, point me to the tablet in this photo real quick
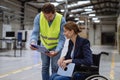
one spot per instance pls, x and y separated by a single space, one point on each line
35 46
68 71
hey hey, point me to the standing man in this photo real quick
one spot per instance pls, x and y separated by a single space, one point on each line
49 25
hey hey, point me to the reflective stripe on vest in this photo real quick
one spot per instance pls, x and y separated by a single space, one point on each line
49 34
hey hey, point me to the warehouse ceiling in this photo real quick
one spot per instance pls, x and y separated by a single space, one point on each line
74 9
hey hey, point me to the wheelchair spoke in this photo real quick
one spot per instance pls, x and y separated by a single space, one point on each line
96 77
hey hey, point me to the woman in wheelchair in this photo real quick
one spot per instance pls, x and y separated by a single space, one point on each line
79 52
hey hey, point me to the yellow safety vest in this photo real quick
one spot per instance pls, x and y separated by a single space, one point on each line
49 34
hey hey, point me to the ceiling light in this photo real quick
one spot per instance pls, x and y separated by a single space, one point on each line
76 10
88 12
81 21
62 10
77 4
76 18
71 15
72 5
91 14
55 3
88 9
94 19
83 2
97 21
60 0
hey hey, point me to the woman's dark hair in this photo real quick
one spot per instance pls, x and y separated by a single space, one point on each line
48 8
70 25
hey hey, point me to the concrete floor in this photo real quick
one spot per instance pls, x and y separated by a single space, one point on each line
28 66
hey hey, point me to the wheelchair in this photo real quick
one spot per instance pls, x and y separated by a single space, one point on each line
90 72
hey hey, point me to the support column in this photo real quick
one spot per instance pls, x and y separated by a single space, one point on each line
1 28
119 38
22 16
118 34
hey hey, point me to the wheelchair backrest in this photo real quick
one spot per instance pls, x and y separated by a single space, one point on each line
96 59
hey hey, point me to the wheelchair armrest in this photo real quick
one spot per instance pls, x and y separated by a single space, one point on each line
88 69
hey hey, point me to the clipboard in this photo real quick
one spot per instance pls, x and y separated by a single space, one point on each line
40 48
68 72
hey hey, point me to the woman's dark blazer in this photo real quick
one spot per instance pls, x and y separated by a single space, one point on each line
82 53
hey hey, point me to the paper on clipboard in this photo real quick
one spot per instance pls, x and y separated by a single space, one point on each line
68 72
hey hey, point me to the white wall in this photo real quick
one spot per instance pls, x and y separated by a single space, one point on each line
95 35
28 38
91 34
30 13
15 6
6 28
108 28
98 35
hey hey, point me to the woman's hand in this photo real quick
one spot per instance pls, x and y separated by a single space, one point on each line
60 61
65 63
68 61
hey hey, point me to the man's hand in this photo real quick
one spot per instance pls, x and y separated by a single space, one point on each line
52 53
32 47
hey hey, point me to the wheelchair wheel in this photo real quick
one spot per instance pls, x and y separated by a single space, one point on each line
96 77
